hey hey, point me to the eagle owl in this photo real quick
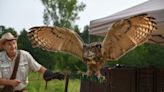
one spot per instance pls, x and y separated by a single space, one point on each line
123 36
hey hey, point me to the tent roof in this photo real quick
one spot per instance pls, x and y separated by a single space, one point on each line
154 8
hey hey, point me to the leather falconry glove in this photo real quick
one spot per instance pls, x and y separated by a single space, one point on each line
49 75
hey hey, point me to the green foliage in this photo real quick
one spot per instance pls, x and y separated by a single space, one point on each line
23 41
11 30
37 84
90 38
155 55
61 12
68 63
146 55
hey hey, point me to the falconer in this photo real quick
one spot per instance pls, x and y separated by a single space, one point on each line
26 62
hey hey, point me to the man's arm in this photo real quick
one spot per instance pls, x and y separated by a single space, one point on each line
6 82
42 70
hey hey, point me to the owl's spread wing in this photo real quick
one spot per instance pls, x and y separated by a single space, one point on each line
126 34
56 39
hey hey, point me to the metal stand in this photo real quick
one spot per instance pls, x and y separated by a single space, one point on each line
66 83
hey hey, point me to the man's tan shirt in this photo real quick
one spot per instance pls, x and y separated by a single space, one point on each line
26 62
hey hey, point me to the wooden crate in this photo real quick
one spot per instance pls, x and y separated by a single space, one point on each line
118 80
128 80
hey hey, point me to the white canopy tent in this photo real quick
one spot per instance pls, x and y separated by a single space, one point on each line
154 8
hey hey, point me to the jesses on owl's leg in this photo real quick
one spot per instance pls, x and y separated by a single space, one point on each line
98 74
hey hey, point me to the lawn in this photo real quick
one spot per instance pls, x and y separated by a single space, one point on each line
37 84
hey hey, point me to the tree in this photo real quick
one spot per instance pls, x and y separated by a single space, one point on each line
90 38
24 42
61 12
5 30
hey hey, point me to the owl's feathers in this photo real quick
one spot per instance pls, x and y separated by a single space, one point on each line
123 36
57 39
126 34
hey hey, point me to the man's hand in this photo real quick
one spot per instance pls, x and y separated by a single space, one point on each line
14 82
49 75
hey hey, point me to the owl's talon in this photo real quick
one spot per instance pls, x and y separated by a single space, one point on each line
85 77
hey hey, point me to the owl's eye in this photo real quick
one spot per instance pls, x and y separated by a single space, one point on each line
98 45
84 46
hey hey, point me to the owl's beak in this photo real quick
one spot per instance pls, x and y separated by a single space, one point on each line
90 55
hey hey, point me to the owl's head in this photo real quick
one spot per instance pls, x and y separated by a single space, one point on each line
91 51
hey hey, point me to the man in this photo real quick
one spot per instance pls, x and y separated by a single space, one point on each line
7 60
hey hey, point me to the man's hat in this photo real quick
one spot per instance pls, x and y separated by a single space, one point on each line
6 37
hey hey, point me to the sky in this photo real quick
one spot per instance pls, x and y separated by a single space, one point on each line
24 14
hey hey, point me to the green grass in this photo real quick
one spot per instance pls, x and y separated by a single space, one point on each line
37 84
